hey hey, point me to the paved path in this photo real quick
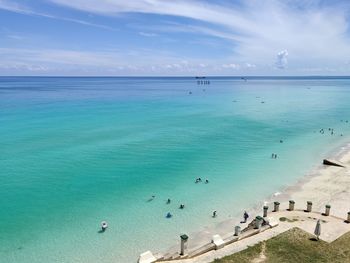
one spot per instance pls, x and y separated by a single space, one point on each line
331 228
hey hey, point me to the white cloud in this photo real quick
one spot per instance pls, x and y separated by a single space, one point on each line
312 31
15 37
145 34
282 60
231 66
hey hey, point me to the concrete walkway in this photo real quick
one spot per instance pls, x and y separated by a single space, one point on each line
331 228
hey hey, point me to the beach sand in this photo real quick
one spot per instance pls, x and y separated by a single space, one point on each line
327 185
324 185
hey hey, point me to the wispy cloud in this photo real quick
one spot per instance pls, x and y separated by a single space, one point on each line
258 36
146 34
259 29
15 37
25 10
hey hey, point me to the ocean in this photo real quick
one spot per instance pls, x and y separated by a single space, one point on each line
75 151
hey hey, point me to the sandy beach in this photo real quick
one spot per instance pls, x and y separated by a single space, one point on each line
323 185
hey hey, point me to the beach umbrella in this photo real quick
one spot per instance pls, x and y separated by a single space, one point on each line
317 231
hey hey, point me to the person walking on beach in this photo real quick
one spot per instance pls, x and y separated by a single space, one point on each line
245 216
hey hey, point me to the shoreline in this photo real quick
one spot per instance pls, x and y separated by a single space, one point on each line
321 185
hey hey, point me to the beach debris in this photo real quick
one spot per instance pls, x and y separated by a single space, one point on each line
332 163
169 215
104 226
317 231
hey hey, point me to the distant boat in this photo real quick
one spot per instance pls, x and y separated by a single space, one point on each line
200 77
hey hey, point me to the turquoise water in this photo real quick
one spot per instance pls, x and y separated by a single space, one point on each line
76 151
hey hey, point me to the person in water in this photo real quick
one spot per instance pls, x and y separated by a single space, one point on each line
169 215
207 181
214 214
182 206
151 199
168 201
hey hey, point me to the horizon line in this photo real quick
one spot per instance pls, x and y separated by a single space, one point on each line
180 76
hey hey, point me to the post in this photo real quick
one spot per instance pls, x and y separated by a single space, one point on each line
276 206
237 230
308 206
265 208
184 239
328 209
258 222
291 205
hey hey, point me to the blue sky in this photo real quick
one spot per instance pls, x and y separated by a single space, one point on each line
174 37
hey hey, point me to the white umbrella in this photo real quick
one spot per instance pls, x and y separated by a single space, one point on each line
317 231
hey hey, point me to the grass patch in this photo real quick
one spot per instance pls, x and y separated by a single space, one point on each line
293 246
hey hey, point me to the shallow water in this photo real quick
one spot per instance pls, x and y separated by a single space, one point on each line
76 151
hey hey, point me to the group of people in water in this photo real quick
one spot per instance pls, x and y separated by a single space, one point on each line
182 206
331 130
274 156
199 180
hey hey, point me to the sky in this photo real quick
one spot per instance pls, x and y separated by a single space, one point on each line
174 37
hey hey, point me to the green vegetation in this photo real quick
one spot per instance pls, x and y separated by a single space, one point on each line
293 246
283 219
